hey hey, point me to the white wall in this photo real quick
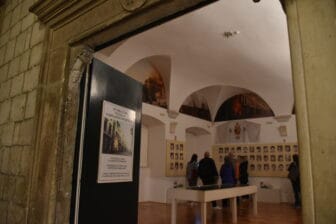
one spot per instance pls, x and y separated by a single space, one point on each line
157 151
154 185
286 192
144 184
198 144
269 133
144 146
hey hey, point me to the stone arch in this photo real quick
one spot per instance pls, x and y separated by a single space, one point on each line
215 95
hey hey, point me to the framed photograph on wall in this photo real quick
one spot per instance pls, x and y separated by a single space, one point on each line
265 160
175 158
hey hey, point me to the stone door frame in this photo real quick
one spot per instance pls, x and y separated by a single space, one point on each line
76 28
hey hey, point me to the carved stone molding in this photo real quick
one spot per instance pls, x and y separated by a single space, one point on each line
132 5
56 13
83 58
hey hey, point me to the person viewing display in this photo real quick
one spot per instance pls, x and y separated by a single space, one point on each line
192 171
207 171
227 175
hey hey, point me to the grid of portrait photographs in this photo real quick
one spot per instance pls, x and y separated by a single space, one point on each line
265 160
175 159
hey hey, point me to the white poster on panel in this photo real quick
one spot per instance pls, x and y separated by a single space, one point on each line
116 144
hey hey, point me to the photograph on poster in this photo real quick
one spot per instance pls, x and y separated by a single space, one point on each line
273 158
116 144
280 158
265 158
273 167
281 167
251 149
265 149
172 155
288 157
279 148
287 148
266 167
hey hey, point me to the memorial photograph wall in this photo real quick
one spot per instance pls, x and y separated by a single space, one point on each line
264 160
175 159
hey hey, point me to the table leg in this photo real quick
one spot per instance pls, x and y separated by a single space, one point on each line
255 204
203 212
173 211
233 205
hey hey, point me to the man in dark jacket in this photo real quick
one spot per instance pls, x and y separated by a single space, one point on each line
207 171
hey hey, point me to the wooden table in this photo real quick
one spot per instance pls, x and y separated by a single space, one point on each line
204 196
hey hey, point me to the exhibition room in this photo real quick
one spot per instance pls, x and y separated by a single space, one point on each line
217 79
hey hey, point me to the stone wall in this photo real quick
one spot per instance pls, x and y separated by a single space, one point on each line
21 52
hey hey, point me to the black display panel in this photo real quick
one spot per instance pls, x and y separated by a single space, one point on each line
108 202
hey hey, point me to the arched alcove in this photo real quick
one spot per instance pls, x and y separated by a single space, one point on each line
154 73
243 106
196 105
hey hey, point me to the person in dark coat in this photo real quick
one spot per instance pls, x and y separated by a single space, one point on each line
243 175
227 175
227 172
207 171
294 177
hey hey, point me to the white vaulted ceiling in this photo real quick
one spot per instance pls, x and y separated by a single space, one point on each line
256 59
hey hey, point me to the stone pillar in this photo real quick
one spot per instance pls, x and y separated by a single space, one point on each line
312 34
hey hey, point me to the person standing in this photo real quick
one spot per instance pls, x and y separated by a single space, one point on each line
192 171
235 164
243 175
227 175
227 172
294 177
207 171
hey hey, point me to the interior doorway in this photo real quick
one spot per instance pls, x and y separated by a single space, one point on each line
196 63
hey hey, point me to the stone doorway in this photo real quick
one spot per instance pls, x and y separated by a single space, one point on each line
77 27
75 30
